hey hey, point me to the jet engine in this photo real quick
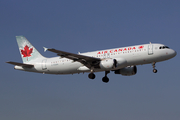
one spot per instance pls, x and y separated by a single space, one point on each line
127 71
108 64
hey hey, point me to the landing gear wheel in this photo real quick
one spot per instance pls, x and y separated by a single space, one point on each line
154 70
105 79
91 75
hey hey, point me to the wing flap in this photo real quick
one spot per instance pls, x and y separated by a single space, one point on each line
21 64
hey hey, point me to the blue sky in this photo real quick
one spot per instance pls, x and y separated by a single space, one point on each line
81 26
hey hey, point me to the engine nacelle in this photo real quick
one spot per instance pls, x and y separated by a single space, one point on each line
127 71
108 63
121 62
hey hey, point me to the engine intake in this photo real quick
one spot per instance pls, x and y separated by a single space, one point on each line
108 64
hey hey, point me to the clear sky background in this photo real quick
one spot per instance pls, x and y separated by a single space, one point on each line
82 26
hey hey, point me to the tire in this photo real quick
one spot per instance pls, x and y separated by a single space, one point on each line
91 76
154 71
105 79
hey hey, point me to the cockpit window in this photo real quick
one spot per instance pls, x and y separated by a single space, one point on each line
163 47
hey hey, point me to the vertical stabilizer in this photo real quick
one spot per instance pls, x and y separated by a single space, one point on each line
27 50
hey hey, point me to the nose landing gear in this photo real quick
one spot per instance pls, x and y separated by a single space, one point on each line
154 70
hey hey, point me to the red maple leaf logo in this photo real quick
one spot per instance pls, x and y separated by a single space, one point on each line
140 47
26 52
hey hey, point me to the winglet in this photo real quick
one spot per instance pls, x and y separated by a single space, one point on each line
45 49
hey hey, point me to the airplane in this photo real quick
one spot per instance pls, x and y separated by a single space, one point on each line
119 60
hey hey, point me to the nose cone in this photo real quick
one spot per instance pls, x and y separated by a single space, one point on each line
173 53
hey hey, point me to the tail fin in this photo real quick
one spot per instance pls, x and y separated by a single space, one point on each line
27 50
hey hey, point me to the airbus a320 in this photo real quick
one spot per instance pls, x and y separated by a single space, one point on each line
119 60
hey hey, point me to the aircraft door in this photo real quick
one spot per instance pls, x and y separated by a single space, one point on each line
44 64
150 49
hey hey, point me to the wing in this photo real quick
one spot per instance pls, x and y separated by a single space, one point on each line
86 60
21 64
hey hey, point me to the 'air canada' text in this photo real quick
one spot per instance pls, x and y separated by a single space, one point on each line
120 50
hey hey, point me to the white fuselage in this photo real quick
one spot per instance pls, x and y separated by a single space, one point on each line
133 55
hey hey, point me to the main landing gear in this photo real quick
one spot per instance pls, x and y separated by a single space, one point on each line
154 70
91 75
104 79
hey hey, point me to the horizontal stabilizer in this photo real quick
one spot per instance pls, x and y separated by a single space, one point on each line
21 64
